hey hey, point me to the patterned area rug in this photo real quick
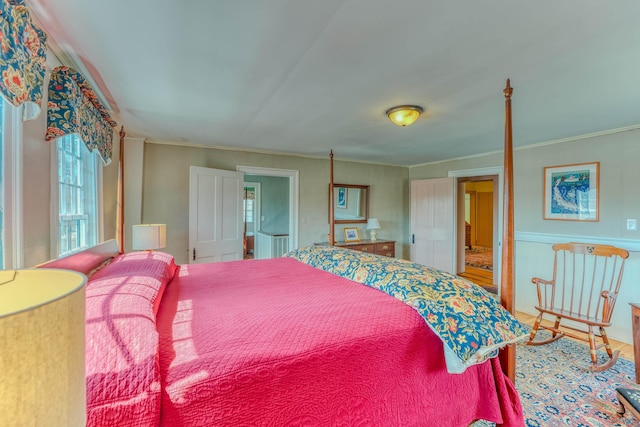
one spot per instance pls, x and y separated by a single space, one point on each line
557 388
479 257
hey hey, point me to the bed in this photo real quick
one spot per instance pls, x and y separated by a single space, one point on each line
321 337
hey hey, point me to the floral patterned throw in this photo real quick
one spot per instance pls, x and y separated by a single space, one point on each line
74 107
471 323
23 50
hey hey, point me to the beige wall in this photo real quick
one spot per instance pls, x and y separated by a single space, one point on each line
618 154
165 196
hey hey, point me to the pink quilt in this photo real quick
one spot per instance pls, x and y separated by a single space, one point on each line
277 343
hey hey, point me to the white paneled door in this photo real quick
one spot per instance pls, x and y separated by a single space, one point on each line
215 215
432 223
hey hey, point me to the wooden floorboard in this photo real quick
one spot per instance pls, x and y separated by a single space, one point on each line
480 277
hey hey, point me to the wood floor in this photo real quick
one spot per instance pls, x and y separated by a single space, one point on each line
480 277
626 350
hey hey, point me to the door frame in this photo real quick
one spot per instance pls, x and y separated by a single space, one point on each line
257 224
294 196
497 217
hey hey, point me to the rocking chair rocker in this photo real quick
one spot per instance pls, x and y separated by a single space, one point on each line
585 285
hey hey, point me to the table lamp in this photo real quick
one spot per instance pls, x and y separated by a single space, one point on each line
147 237
42 336
373 224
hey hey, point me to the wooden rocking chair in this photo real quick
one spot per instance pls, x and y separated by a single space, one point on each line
584 288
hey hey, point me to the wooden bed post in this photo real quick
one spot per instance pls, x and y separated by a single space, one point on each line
507 292
121 193
331 213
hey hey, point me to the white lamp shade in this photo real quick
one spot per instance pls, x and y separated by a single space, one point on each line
373 224
148 237
42 341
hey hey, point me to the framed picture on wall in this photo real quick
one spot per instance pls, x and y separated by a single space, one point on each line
571 192
351 235
342 198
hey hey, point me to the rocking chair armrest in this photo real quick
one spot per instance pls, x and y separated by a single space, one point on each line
537 280
609 303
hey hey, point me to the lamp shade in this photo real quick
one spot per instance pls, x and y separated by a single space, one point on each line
148 237
373 224
42 341
404 115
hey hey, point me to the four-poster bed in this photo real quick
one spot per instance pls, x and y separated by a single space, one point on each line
507 294
322 336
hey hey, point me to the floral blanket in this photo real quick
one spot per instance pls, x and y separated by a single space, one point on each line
471 324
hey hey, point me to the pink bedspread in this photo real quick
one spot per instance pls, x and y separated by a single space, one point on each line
277 343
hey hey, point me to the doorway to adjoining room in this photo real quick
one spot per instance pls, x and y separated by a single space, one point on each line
266 216
251 215
479 233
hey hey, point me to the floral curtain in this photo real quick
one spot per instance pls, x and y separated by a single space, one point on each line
23 50
74 108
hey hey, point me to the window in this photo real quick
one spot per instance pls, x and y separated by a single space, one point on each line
78 196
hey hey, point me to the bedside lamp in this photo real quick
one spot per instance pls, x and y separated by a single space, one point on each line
147 237
373 224
42 341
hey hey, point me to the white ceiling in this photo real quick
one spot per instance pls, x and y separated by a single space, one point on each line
304 77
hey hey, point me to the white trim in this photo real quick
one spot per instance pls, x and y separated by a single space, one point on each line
536 145
262 151
486 171
13 226
17 197
54 202
99 196
257 211
54 217
294 195
632 245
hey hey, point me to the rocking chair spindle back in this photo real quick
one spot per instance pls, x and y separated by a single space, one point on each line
584 288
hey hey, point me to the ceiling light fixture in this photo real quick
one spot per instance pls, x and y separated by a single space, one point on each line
404 115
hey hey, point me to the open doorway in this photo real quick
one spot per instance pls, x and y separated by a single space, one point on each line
479 231
478 246
274 212
251 216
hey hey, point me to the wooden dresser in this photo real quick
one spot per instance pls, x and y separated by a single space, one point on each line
379 247
635 327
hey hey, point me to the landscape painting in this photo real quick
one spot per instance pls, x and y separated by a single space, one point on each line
571 192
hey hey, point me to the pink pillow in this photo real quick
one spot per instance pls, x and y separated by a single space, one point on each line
122 368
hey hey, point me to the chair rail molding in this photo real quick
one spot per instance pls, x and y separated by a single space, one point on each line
632 245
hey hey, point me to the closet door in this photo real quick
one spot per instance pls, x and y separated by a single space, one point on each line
432 223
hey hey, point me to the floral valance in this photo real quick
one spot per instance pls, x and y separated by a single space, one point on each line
75 108
23 51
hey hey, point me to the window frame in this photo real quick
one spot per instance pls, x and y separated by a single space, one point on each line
55 198
12 138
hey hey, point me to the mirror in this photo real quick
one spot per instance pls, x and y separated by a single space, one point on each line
350 203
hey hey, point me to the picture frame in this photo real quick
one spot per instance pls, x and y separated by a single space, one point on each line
342 198
572 192
351 234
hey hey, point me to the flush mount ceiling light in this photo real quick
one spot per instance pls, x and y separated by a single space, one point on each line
404 115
